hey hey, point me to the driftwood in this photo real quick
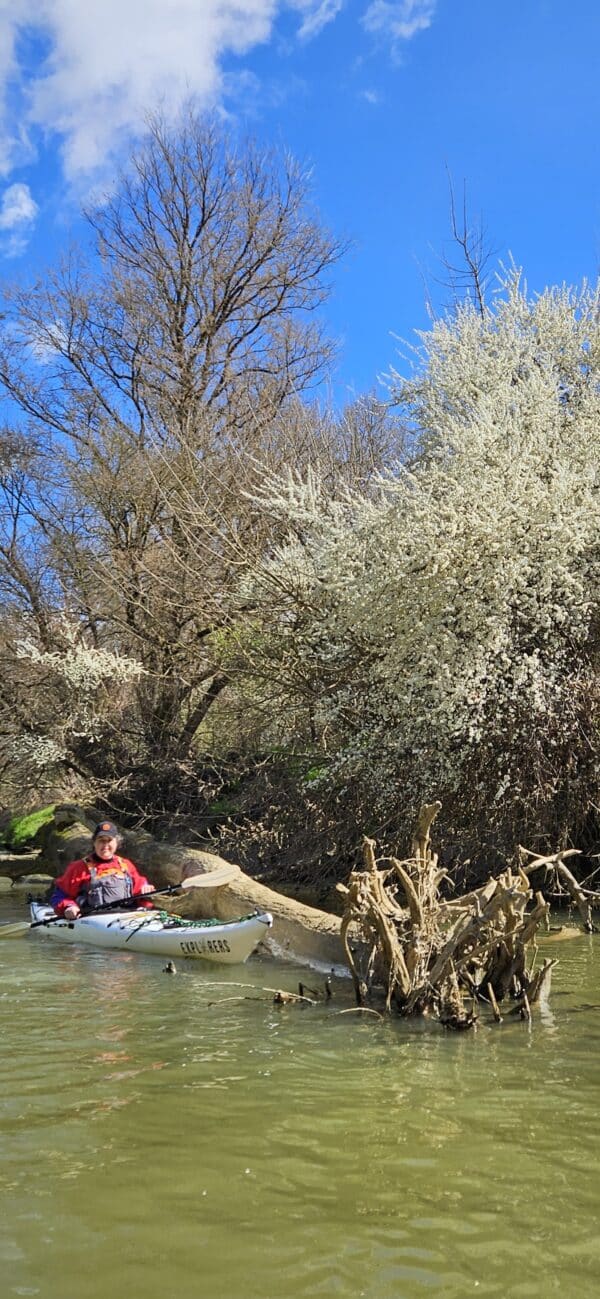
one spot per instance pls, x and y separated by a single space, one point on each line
439 957
279 996
565 881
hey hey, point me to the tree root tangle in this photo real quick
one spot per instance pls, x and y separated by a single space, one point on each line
431 956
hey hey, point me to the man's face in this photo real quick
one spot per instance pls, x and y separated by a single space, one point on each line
105 847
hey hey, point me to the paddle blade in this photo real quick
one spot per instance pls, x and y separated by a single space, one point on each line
211 879
18 930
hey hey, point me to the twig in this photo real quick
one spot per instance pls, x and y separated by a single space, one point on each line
360 1010
494 1004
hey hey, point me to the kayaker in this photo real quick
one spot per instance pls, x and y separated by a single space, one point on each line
102 877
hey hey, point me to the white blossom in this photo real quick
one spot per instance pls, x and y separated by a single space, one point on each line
37 752
84 668
441 626
79 683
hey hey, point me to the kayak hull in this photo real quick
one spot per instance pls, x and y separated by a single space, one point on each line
228 941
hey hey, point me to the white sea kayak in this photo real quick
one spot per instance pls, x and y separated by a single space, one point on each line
227 941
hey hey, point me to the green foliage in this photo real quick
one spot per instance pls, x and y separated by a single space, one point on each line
22 831
222 807
315 774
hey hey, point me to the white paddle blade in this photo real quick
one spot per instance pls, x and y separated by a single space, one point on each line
18 930
211 879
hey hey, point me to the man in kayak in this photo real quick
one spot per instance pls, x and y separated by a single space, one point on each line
98 879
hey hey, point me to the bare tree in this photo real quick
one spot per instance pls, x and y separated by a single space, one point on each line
155 383
211 268
467 266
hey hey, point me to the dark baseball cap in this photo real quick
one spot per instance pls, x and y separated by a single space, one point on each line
107 829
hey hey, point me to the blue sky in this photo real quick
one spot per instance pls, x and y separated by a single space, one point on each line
381 97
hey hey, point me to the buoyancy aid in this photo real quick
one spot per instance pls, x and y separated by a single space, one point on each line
108 882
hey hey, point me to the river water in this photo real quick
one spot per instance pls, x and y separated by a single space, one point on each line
183 1137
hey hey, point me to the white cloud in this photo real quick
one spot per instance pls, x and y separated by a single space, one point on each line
399 19
17 207
110 61
318 13
106 63
18 211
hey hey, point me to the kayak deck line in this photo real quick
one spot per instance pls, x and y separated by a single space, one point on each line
171 921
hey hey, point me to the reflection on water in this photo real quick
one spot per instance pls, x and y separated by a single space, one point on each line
182 1136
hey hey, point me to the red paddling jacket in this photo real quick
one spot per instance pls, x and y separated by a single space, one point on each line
94 883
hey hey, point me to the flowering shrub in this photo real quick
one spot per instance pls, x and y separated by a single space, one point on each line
83 668
75 689
442 634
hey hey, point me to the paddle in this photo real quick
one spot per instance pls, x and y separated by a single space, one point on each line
209 880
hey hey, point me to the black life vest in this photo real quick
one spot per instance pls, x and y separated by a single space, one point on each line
108 882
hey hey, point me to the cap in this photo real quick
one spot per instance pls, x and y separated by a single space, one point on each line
107 828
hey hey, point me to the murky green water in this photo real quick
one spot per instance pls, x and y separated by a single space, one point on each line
153 1144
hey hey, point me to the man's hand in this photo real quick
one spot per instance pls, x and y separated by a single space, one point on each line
71 912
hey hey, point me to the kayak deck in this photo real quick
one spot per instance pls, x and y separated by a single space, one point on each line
155 933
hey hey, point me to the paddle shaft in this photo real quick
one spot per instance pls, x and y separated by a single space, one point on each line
111 906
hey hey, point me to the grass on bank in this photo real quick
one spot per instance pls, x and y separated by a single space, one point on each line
21 831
